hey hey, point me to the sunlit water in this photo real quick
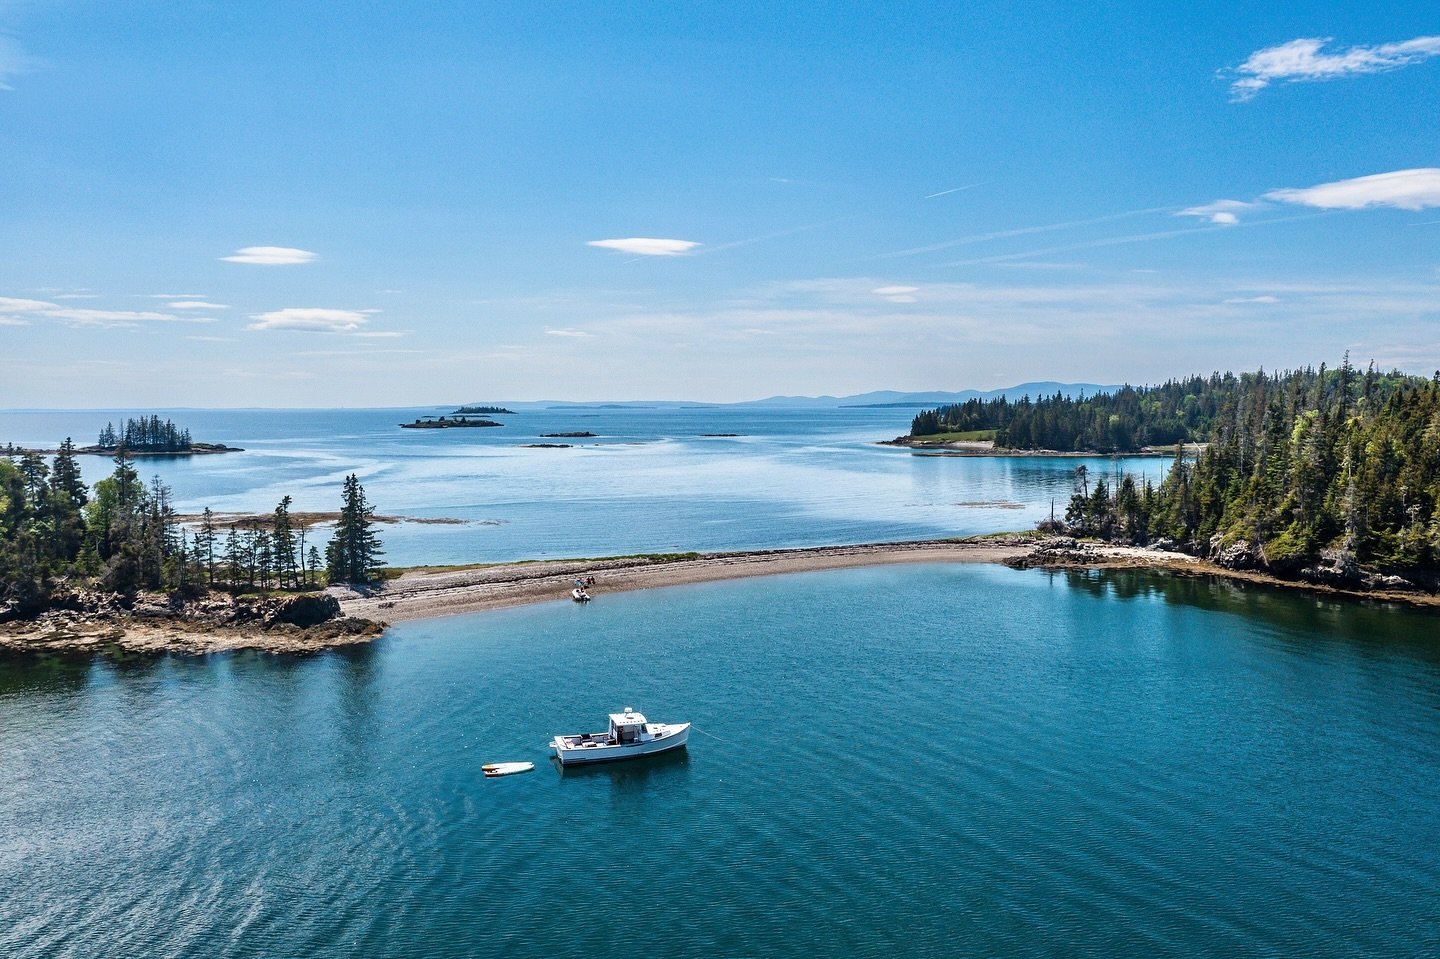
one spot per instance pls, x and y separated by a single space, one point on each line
650 481
919 761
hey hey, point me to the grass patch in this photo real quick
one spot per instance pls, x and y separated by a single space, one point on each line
966 436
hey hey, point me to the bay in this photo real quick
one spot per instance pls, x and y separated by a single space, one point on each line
919 761
658 479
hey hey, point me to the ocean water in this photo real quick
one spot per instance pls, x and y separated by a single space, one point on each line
650 481
918 761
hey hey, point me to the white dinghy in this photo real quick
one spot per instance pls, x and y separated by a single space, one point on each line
630 736
491 770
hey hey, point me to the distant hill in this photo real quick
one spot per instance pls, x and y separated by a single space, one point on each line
878 398
893 398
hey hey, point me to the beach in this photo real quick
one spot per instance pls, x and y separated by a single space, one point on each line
424 594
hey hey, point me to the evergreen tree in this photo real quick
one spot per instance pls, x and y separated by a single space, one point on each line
353 553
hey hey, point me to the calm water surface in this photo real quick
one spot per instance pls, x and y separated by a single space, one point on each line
920 761
651 480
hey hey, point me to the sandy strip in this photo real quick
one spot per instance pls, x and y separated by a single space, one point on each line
420 594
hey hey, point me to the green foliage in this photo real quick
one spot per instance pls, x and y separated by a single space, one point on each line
353 554
1302 463
145 435
125 536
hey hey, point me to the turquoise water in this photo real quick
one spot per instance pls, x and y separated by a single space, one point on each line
650 481
916 761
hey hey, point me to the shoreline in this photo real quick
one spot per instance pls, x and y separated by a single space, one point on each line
431 593
427 594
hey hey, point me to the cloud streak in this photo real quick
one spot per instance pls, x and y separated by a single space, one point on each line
646 246
24 309
1303 61
270 256
311 320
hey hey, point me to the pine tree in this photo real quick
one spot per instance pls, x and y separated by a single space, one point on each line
353 553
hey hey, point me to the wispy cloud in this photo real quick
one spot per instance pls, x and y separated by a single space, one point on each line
270 256
13 321
1235 300
646 246
74 316
897 294
1302 60
1222 212
1022 231
579 334
195 305
311 320
1401 189
13 61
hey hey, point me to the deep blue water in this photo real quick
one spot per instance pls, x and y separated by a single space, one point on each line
650 481
916 761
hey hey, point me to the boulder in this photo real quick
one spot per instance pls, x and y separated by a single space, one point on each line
305 611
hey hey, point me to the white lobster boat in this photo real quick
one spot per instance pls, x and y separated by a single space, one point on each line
630 736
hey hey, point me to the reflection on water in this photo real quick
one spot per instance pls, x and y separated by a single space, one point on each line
926 760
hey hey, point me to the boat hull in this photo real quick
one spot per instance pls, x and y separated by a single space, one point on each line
587 755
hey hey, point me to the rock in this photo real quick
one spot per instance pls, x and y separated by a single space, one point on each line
305 611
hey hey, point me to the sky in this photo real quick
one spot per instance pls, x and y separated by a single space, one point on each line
221 204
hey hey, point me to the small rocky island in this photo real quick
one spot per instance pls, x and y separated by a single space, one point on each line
583 434
447 423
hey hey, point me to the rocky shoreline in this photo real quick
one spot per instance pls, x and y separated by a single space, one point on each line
86 622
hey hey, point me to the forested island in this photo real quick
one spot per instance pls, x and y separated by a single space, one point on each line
447 423
483 410
92 559
146 436
1328 476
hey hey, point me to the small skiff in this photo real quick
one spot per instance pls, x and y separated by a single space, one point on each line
491 770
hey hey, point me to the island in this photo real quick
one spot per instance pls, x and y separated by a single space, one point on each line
483 410
583 434
447 423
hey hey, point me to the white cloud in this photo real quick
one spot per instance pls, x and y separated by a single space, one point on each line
1253 299
117 317
196 305
75 316
269 256
1222 212
581 334
13 321
897 294
1301 60
646 246
11 304
311 320
1402 189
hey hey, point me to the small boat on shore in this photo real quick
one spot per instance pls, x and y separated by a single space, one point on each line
579 595
630 736
492 770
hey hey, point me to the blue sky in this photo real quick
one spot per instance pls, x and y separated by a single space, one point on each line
279 204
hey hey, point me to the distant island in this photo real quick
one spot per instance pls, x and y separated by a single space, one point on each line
583 434
149 436
447 423
483 410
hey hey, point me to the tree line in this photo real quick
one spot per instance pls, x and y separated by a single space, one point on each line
125 536
1332 465
145 435
1186 410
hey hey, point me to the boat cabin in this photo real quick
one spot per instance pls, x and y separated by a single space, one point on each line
626 727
